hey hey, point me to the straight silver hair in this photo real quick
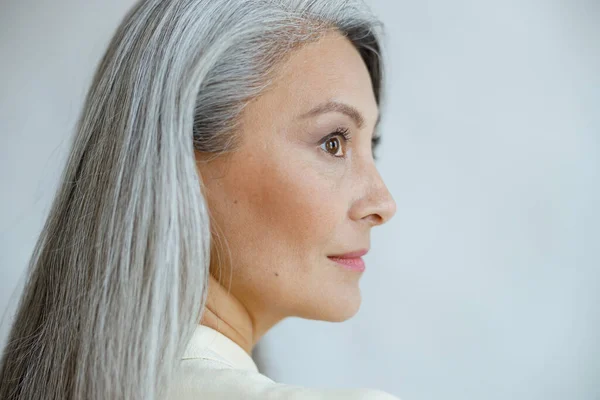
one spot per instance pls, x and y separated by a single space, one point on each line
117 280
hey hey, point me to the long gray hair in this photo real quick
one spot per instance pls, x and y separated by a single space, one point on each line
117 281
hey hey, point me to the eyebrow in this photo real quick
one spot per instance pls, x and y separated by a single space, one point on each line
335 106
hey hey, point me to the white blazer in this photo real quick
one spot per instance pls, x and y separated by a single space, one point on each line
214 367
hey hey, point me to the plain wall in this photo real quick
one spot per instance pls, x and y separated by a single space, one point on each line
485 284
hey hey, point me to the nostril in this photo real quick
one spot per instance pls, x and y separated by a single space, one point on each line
375 219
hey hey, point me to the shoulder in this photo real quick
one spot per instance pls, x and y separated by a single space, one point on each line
213 379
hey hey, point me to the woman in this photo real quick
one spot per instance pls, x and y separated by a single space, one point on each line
221 180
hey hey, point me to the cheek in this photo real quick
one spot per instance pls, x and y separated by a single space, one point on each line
281 217
297 206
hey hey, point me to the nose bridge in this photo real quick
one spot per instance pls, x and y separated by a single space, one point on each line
376 202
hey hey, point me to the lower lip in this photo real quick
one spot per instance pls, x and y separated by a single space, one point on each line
353 264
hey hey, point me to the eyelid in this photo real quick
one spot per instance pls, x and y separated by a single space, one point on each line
339 131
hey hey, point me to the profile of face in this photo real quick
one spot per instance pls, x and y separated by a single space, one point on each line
287 199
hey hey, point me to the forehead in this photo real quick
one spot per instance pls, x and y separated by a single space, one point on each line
330 69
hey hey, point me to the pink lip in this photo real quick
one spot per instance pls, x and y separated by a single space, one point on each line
353 264
351 261
354 254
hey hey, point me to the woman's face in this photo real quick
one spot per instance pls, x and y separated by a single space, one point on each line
286 200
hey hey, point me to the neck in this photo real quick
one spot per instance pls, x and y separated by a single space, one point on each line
225 313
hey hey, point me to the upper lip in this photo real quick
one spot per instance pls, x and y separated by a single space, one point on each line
352 254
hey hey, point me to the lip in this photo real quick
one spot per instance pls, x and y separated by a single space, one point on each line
351 261
354 254
353 264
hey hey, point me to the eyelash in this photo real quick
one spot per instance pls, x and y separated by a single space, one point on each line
344 132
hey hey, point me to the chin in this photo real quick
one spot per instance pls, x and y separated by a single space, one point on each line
345 313
336 309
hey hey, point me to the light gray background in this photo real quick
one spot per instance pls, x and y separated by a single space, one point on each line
485 284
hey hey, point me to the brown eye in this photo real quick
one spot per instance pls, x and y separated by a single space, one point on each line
333 146
335 142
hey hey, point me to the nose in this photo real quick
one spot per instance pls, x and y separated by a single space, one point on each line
376 205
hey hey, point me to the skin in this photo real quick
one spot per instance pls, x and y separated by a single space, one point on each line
283 202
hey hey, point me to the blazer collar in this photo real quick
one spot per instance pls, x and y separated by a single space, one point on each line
209 343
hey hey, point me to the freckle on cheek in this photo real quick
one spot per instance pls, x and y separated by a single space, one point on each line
276 273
